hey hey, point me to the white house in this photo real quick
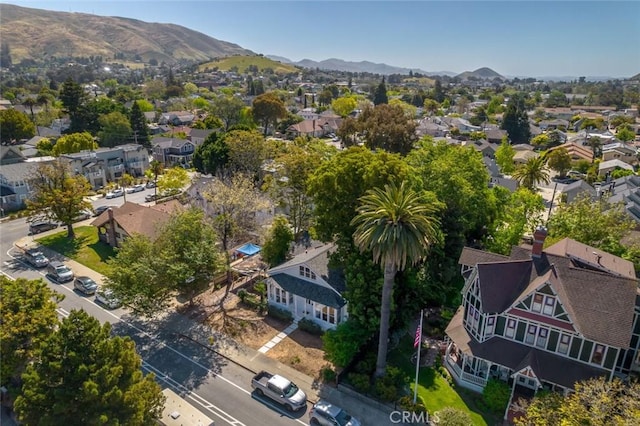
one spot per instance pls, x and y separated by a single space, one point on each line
308 288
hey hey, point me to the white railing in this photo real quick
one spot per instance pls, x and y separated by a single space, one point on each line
456 367
474 379
135 164
117 167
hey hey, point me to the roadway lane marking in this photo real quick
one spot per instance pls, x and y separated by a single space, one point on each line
154 338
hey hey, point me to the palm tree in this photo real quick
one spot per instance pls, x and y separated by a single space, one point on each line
156 169
532 172
397 225
126 180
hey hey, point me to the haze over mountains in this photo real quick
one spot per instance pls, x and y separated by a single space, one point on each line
36 34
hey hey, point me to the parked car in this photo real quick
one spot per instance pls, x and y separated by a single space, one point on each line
279 389
59 272
134 188
85 285
150 184
101 209
105 297
36 258
115 193
326 414
83 215
41 226
151 197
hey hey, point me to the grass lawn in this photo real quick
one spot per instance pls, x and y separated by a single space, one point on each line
84 249
434 390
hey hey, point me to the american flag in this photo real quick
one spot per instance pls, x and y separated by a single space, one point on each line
418 338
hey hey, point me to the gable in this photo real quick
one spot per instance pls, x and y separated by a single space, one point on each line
324 295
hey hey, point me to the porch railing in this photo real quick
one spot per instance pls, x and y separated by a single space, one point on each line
456 367
480 381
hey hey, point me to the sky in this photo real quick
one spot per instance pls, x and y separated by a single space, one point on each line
514 38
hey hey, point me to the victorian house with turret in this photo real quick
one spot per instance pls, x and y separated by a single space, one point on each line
544 318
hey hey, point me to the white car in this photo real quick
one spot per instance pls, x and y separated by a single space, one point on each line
105 297
135 188
115 193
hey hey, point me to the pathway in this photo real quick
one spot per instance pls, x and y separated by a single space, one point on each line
278 338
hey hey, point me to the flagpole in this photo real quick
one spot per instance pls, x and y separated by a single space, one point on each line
415 390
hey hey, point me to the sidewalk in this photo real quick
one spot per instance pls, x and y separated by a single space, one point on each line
251 359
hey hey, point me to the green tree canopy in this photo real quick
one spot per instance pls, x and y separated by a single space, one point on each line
83 375
532 172
276 245
380 94
559 160
58 194
173 180
344 106
115 129
74 142
515 120
212 156
267 109
625 134
246 151
15 125
139 127
28 316
228 109
387 127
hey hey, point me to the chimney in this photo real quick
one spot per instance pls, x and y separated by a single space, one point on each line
112 228
538 241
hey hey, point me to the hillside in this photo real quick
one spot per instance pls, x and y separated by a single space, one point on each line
334 64
36 34
243 62
482 73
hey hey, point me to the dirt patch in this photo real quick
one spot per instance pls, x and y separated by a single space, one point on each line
300 350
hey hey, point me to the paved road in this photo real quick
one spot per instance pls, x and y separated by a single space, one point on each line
220 389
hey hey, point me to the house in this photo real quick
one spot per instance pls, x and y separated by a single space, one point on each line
116 224
544 318
574 190
487 149
495 135
575 151
608 166
15 173
176 118
464 126
308 288
172 152
197 136
554 124
624 190
619 151
314 128
524 152
428 126
308 114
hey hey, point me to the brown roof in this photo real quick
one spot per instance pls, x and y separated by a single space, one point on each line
599 298
516 356
575 150
135 219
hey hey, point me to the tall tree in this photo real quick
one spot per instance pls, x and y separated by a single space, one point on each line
398 227
74 142
155 169
83 375
246 151
278 241
559 160
125 181
532 172
28 316
58 194
344 106
515 120
115 129
387 127
74 99
15 125
212 155
139 126
380 95
228 109
267 109
172 180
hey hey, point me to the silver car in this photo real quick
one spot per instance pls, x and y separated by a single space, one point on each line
85 285
324 413
106 297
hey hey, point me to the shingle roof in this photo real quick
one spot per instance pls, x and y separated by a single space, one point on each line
309 290
135 219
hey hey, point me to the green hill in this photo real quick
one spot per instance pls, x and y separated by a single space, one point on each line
244 62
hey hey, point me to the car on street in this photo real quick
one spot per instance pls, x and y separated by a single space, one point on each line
85 285
151 197
279 389
326 414
41 226
115 193
105 297
36 258
59 272
134 189
150 184
101 209
83 215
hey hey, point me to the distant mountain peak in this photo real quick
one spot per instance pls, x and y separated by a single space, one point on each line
483 73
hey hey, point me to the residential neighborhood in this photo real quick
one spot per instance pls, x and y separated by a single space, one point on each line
255 241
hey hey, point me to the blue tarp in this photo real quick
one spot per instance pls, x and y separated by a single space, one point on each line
248 249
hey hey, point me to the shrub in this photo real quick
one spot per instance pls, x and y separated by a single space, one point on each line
366 365
342 344
496 395
406 404
310 327
242 294
360 382
280 314
389 387
328 374
453 417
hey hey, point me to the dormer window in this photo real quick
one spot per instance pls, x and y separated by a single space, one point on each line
511 328
531 334
537 303
306 272
549 304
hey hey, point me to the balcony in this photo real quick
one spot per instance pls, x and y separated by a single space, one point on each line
90 175
117 168
136 164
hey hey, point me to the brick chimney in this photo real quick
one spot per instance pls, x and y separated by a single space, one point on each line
112 228
539 236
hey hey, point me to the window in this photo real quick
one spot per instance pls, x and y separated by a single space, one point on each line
279 295
531 335
470 315
511 328
476 320
598 354
537 303
549 304
327 314
542 337
306 272
491 321
563 346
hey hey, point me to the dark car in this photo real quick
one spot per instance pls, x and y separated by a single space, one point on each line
41 226
101 209
85 285
151 197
